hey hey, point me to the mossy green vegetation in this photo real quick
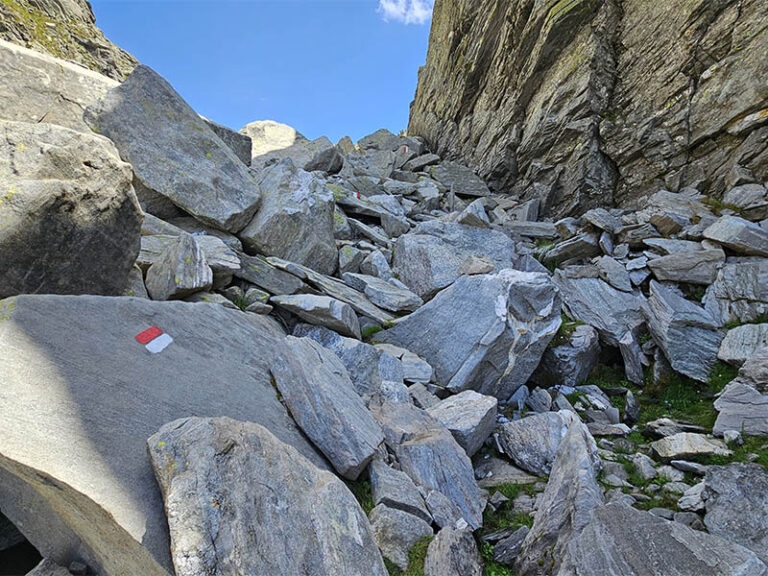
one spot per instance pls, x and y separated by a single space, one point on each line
505 516
370 330
416 557
361 489
565 331
763 319
492 568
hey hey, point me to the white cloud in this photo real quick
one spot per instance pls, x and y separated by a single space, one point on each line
406 11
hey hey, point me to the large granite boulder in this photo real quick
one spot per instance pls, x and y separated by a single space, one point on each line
431 457
36 87
685 332
453 553
69 219
395 489
434 254
741 408
182 269
173 151
532 443
736 498
73 364
296 519
740 292
396 532
741 236
316 389
566 505
295 220
471 418
622 540
485 333
273 142
570 361
742 342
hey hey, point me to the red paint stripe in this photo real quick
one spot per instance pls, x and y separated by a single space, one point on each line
148 335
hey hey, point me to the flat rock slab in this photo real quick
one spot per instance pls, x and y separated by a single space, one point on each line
383 293
395 489
622 540
743 409
316 389
741 236
686 445
295 519
173 151
321 310
72 365
69 218
485 333
742 342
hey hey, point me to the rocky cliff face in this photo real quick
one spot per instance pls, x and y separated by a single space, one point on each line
66 29
591 102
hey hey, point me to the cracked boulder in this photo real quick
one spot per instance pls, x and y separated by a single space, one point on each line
483 333
296 519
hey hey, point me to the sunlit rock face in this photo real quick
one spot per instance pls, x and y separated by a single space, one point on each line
589 102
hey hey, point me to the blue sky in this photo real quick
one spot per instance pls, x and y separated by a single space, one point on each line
326 67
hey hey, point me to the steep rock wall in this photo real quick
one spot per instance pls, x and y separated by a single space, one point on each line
595 102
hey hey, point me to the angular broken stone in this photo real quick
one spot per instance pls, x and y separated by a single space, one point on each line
223 261
684 331
569 363
173 151
474 215
70 218
743 409
181 270
736 498
545 230
431 256
382 293
571 495
470 417
295 220
453 552
396 532
395 489
619 537
532 442
740 292
258 271
420 162
506 550
431 457
296 519
741 236
614 274
594 302
695 267
485 333
462 180
316 389
322 311
579 247
687 445
742 342
493 472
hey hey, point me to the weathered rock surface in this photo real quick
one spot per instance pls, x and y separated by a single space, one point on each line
273 142
594 302
622 540
430 456
321 310
743 409
569 363
173 151
685 332
565 507
742 342
182 269
395 489
532 442
89 486
485 333
296 519
741 236
739 293
396 532
65 29
317 391
39 88
432 255
453 553
587 103
696 267
470 417
736 498
384 294
686 445
369 368
70 219
295 220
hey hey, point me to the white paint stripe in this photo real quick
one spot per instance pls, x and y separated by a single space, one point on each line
159 344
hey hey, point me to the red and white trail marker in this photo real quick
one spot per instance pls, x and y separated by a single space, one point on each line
154 339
